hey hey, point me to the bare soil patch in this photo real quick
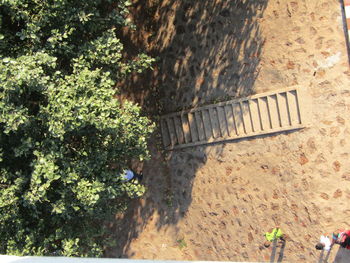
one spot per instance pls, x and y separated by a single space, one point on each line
216 202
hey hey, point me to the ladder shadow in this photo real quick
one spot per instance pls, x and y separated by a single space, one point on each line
323 258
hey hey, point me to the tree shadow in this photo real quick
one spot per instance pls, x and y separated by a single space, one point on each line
208 51
213 55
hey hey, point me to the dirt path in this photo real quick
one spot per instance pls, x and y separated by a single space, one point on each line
215 202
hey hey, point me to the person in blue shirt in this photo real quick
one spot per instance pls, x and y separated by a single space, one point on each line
129 175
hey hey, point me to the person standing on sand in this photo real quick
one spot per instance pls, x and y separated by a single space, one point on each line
129 175
274 234
342 238
324 244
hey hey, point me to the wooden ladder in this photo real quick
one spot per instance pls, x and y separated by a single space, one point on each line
239 118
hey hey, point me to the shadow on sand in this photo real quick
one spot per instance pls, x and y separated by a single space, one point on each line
342 256
278 247
324 256
208 51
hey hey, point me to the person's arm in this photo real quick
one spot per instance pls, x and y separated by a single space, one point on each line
334 238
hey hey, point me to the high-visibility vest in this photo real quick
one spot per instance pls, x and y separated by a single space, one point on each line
275 234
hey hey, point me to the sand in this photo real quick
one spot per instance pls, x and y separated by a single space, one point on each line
215 202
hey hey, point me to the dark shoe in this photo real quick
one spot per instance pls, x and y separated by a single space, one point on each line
140 176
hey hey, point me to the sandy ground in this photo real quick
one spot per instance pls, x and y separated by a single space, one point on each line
215 202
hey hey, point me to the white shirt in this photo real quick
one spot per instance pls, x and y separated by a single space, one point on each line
326 241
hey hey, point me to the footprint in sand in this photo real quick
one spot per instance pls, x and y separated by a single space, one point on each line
216 195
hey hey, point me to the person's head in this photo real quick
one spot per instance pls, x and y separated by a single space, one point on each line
267 244
319 246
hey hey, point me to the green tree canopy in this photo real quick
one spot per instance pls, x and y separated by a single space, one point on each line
61 126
